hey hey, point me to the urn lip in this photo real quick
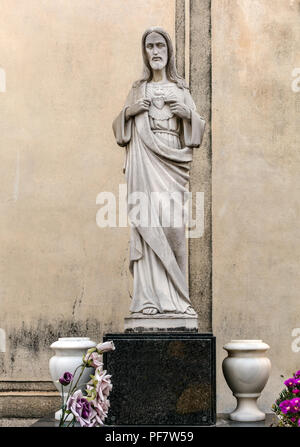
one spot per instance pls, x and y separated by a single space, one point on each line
73 343
246 345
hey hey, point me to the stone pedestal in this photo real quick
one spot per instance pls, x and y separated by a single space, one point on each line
162 379
138 322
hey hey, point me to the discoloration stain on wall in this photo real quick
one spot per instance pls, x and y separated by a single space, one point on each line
77 302
40 336
35 340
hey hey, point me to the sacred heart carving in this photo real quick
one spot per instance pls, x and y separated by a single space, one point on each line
158 102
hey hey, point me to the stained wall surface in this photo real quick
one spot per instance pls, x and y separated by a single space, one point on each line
256 182
69 67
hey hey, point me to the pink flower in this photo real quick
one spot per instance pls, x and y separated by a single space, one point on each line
104 385
93 359
98 390
101 408
106 347
81 409
296 391
298 422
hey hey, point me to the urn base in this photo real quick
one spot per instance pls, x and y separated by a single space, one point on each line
247 409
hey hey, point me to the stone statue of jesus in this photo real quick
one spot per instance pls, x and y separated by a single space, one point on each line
159 127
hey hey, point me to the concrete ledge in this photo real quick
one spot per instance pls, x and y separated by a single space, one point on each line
30 400
17 422
26 385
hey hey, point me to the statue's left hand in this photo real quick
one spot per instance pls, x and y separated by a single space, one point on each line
180 109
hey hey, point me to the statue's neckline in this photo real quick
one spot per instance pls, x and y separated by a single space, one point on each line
160 83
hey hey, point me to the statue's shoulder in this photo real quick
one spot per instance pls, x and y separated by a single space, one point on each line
137 90
188 98
138 84
134 92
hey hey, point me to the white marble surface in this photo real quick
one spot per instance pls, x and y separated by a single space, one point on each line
159 322
246 370
68 356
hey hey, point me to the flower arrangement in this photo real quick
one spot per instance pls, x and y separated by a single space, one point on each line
287 406
90 407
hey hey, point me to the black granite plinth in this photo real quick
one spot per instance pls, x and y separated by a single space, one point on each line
222 421
162 379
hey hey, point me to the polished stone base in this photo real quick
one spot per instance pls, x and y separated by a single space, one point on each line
222 421
138 322
162 379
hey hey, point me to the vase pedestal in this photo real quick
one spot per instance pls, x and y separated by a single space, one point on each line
162 379
247 409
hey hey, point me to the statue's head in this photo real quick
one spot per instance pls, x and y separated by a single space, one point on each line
157 48
158 53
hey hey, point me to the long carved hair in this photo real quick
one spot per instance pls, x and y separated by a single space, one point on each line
171 70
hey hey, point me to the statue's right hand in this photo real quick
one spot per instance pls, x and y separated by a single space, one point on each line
140 106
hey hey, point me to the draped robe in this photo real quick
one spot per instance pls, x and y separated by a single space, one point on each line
157 164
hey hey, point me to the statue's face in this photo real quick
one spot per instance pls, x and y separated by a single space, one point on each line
156 50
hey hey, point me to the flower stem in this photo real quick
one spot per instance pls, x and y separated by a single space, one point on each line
62 405
72 420
73 388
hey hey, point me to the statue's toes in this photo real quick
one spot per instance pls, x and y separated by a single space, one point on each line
150 311
190 311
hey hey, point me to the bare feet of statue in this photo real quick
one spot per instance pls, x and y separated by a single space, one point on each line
190 311
150 311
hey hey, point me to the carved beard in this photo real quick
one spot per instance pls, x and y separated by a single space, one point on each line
157 65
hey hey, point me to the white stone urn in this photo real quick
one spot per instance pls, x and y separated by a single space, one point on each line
246 371
68 356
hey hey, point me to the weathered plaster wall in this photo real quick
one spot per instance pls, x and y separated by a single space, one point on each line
69 66
256 182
